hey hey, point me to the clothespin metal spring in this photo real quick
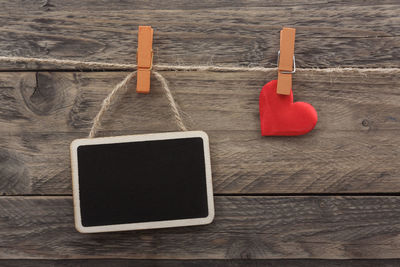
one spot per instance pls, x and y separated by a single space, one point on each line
294 65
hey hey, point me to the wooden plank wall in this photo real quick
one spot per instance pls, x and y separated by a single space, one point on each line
331 194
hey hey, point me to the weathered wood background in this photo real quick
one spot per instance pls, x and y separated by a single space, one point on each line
331 194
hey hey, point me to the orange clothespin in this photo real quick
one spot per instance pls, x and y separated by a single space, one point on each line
144 59
286 61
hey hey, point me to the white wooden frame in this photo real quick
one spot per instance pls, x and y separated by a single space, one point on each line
143 225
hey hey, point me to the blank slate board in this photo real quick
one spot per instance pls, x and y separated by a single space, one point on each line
142 182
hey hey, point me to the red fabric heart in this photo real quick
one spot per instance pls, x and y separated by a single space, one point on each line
280 116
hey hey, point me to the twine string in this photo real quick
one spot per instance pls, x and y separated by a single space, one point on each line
171 101
108 101
164 67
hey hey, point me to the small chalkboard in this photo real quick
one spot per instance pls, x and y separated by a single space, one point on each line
142 181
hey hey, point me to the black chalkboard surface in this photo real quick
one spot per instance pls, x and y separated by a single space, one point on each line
142 181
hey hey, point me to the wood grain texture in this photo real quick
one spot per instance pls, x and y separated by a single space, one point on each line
329 33
244 228
201 263
353 149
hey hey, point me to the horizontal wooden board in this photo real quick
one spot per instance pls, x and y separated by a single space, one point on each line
329 33
199 263
354 147
244 228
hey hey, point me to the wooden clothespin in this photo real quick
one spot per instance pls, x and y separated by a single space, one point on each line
144 59
286 61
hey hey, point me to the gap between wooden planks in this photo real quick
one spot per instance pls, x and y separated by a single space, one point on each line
211 263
